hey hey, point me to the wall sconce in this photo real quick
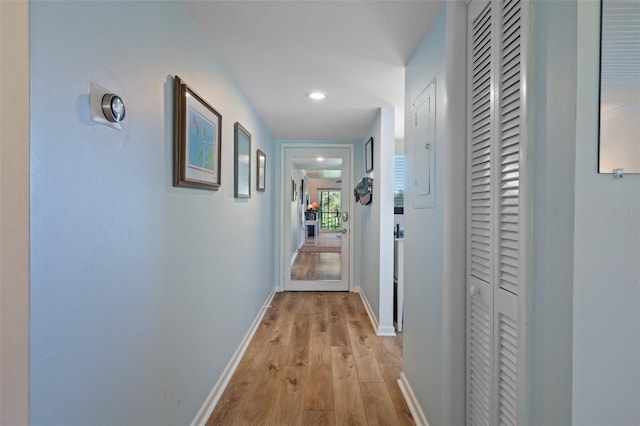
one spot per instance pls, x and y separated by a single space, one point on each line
106 107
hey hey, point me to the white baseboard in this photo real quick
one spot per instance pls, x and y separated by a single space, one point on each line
386 330
380 330
367 307
293 258
412 402
214 396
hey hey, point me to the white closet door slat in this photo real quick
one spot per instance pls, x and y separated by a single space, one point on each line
509 142
507 373
480 338
480 363
481 146
508 220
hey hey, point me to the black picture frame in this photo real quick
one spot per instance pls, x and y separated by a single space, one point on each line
368 155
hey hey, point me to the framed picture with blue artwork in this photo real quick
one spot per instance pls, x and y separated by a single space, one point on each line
197 148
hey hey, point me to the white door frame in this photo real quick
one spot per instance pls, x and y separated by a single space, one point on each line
285 198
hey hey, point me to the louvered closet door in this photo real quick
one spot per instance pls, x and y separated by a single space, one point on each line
479 232
493 211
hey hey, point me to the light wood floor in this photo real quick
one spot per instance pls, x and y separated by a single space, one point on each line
317 266
315 360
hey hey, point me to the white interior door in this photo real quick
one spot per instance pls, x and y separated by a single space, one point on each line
317 240
494 233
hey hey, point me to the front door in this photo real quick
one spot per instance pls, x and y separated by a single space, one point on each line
317 219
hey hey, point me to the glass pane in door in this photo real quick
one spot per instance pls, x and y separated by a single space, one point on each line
318 217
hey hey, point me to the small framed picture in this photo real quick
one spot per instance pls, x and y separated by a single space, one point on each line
242 156
261 172
368 155
197 128
293 190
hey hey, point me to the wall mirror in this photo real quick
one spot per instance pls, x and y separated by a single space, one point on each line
619 141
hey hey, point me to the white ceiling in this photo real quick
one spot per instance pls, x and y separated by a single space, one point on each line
353 50
327 168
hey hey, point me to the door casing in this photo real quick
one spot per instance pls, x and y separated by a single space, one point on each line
282 226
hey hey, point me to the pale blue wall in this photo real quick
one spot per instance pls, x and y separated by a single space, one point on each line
606 290
140 291
552 142
424 236
376 221
369 222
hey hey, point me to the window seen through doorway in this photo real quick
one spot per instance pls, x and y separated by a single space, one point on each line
398 183
330 209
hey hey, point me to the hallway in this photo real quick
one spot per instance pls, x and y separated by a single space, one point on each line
315 360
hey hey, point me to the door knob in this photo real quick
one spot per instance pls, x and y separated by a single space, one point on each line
473 291
343 230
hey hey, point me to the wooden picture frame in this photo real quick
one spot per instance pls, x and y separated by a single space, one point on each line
368 155
197 146
242 160
261 171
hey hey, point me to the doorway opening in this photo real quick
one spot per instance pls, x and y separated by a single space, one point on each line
316 240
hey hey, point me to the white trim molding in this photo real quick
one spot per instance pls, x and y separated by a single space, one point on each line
214 396
380 330
412 401
282 183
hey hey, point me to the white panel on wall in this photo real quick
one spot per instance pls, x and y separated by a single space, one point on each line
424 113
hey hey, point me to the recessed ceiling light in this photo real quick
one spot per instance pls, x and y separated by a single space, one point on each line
317 96
320 158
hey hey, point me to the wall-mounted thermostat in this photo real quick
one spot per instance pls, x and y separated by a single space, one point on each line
106 107
113 107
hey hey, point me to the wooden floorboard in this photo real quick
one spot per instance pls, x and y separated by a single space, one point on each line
263 391
288 408
349 406
378 405
364 355
231 404
391 374
316 360
316 266
318 418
